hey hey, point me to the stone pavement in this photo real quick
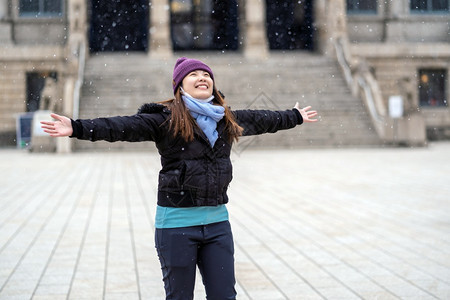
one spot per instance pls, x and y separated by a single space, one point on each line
308 224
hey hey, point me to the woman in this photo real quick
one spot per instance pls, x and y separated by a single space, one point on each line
194 133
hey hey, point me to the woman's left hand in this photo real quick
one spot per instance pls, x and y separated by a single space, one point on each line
307 115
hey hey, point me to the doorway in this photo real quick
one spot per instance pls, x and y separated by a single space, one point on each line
35 83
290 24
204 24
119 25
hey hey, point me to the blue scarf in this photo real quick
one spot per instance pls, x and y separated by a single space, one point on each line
206 114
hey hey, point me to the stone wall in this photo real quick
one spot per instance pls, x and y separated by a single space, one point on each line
45 31
16 62
396 68
40 45
394 22
397 43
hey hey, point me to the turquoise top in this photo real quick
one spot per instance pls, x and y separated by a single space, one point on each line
175 217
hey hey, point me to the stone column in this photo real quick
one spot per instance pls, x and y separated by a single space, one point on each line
77 23
3 9
65 144
256 45
331 24
77 19
5 24
393 27
160 40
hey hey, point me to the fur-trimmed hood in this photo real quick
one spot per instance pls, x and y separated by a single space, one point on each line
149 108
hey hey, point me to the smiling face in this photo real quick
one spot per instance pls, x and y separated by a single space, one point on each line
198 84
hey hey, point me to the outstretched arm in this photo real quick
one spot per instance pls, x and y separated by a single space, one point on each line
62 126
257 122
306 114
135 128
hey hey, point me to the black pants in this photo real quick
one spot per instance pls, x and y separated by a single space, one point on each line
210 247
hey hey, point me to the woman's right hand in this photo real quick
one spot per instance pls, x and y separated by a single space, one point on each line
62 126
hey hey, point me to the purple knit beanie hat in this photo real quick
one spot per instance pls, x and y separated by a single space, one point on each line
184 66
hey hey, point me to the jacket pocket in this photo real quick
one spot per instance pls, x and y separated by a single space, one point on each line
173 179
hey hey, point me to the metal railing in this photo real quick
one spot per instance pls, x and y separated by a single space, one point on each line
342 60
361 82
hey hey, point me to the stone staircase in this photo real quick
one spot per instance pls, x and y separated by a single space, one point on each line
117 84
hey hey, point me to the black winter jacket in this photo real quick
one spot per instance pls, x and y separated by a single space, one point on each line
193 173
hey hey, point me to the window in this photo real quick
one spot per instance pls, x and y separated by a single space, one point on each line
432 87
40 8
429 6
362 6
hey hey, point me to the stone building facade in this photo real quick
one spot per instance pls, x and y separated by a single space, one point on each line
403 46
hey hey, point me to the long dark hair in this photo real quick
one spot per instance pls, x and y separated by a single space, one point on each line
182 123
